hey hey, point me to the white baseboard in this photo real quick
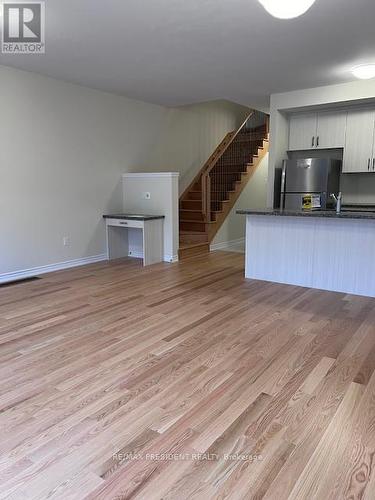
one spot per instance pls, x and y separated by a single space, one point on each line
171 258
35 271
226 244
166 257
60 266
135 254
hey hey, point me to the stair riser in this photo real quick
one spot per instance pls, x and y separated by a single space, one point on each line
195 216
222 178
191 205
224 188
238 156
235 161
193 226
232 168
194 195
245 143
246 153
193 238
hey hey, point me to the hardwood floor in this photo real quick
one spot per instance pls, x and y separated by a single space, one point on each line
182 381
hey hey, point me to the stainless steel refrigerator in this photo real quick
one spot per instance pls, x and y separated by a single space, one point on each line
309 178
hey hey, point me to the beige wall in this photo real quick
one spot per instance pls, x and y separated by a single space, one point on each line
253 196
63 149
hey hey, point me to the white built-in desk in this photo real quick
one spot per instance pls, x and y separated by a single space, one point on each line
122 238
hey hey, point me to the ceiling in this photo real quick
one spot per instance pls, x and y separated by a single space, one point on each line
175 52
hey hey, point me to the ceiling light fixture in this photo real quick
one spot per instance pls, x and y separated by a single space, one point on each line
364 72
286 9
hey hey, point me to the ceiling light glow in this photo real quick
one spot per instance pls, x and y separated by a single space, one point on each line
286 9
364 72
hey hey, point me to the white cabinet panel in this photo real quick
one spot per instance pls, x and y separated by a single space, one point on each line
359 143
331 129
324 253
302 132
279 249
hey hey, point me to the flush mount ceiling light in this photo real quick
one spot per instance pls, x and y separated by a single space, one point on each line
364 72
286 9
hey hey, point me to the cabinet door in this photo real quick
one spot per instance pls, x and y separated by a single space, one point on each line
331 130
302 132
358 152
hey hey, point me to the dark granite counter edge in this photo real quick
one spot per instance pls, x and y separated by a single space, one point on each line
329 214
133 217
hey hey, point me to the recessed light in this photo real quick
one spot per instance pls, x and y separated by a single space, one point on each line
364 72
286 9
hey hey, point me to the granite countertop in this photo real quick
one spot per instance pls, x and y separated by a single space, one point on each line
307 213
133 216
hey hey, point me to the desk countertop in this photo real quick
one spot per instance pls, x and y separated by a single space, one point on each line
133 216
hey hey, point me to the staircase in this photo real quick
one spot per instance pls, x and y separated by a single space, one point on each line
210 197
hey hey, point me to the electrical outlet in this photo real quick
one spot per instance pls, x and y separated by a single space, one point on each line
146 196
66 241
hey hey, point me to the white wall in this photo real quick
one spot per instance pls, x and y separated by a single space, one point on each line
253 196
331 96
63 149
163 189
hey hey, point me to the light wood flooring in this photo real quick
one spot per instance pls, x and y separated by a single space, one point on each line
184 381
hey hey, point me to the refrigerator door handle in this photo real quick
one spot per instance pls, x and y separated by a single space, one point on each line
313 141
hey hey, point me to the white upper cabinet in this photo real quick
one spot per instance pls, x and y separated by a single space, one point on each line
331 128
359 152
302 131
317 130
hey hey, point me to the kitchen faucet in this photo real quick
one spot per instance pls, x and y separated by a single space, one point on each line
338 201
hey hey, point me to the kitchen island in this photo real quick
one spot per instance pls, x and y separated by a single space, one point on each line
316 249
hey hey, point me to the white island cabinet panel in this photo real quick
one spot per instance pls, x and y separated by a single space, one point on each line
278 250
330 253
345 261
